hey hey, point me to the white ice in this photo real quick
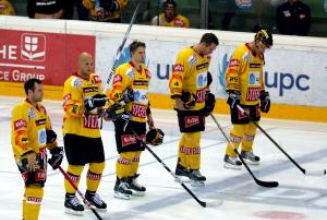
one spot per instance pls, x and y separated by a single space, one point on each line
229 194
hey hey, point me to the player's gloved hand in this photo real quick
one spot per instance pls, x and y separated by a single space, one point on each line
210 102
115 111
188 99
233 98
265 102
98 100
57 154
128 96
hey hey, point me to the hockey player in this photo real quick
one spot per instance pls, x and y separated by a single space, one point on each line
105 10
245 87
31 134
189 88
83 104
130 84
170 17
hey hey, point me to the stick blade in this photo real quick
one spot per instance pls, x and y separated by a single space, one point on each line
267 184
315 172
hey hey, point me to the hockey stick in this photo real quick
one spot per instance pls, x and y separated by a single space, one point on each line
268 184
121 47
304 171
203 204
79 193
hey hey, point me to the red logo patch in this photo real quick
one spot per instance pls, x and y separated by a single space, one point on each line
200 96
20 123
178 68
40 175
139 111
91 121
191 121
96 79
128 139
234 63
117 79
253 94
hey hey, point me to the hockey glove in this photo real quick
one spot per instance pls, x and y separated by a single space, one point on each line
210 102
115 111
154 136
188 99
57 154
128 96
233 98
265 102
98 100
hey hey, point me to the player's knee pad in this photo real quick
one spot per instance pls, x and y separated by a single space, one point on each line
192 139
75 170
97 167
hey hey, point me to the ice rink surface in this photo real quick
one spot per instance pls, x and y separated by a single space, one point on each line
230 194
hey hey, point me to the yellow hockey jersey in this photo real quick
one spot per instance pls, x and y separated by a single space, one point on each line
178 21
127 76
190 74
6 8
76 119
245 74
97 14
28 128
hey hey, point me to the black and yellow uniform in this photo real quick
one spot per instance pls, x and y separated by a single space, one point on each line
179 21
6 8
111 13
82 138
28 134
245 75
190 75
128 77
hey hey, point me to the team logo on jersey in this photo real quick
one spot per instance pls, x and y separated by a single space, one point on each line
31 113
178 68
287 14
130 73
140 95
76 82
42 136
96 79
192 60
244 4
20 123
254 79
40 122
33 47
117 79
234 63
202 80
139 110
253 94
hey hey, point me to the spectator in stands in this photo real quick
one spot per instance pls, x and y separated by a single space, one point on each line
105 10
51 9
69 7
6 8
170 17
293 18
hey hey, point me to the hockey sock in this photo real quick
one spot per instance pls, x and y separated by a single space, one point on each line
32 202
248 139
236 135
136 162
74 173
124 165
94 176
192 150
